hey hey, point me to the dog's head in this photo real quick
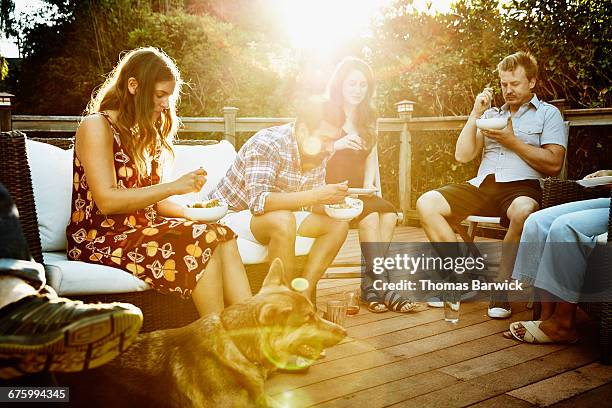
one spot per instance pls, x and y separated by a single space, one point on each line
290 332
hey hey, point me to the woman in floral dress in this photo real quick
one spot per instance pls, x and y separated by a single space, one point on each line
122 215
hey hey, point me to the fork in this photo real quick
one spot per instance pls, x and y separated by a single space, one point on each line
490 100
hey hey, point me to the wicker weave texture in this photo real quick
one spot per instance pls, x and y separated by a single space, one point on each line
17 179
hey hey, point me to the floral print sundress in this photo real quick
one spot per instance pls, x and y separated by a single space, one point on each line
170 254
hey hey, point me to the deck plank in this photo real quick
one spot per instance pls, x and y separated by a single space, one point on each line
503 400
362 383
380 356
394 391
492 384
599 397
479 366
547 392
419 360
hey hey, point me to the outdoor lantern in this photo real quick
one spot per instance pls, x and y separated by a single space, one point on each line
405 108
5 100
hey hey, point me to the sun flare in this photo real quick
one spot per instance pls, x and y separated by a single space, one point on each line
324 25
312 146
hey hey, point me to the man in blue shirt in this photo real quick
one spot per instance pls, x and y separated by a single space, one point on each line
530 147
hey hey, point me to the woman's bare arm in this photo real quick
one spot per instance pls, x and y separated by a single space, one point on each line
94 149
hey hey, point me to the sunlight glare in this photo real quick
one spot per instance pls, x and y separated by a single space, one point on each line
312 146
323 25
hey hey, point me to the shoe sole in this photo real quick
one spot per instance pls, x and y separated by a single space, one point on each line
499 315
87 343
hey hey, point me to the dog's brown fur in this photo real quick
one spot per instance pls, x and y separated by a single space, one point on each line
217 361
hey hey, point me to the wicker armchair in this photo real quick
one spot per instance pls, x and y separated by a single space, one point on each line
160 311
563 191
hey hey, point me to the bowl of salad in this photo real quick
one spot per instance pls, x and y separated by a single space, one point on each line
346 211
209 211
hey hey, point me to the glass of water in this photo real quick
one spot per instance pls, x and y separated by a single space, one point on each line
352 302
452 304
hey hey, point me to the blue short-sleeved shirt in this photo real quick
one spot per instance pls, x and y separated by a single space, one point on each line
536 123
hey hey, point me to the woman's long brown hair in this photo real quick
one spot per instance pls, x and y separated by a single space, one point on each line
365 115
140 136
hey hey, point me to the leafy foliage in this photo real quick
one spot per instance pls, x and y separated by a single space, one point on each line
223 65
443 61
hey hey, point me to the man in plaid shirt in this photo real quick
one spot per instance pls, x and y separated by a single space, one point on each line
276 186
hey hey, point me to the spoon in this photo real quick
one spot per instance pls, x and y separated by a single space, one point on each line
490 100
199 193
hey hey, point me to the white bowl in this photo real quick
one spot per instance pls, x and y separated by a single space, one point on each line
345 214
491 123
206 214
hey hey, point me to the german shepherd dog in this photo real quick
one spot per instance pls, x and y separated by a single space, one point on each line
216 361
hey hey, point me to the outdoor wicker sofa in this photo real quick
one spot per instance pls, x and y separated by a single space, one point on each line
160 311
563 191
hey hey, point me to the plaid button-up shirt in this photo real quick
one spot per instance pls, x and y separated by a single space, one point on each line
268 162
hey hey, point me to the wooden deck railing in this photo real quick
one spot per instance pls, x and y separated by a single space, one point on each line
230 124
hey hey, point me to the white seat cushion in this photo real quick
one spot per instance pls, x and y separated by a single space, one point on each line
80 278
51 169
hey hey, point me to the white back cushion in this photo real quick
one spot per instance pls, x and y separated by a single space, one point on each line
51 169
215 159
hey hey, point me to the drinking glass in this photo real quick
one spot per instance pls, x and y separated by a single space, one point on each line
351 298
336 311
452 304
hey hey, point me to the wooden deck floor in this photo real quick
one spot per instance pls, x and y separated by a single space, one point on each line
419 360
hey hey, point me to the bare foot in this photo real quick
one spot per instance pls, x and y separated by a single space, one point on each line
557 332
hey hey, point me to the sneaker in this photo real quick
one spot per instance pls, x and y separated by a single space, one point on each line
42 333
499 307
499 310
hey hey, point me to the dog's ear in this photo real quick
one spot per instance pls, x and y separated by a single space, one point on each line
273 313
275 274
